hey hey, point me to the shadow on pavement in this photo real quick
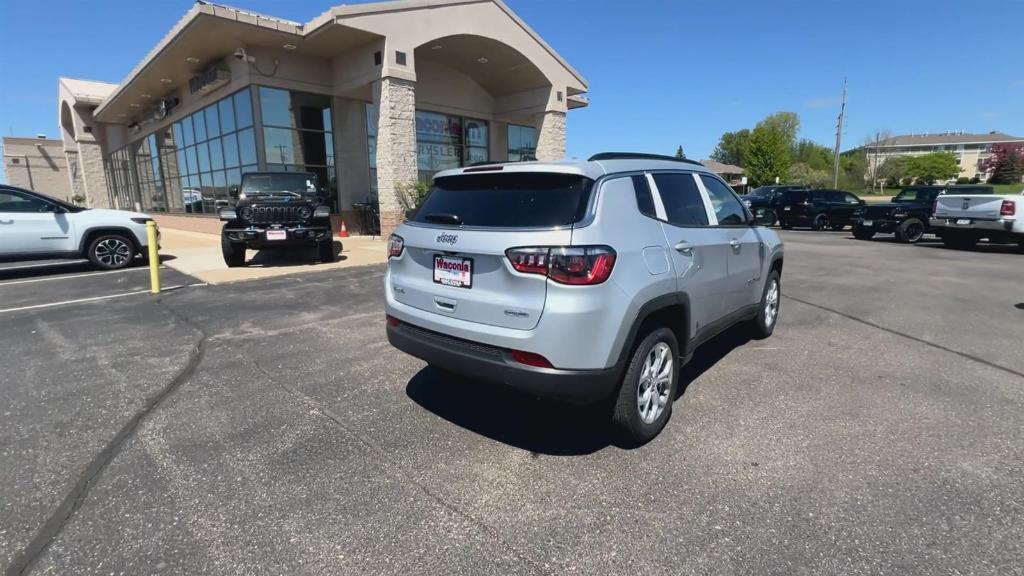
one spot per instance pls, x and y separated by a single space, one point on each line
43 268
292 257
537 425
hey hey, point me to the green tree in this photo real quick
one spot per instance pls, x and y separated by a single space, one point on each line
803 173
1006 164
933 167
786 123
768 155
894 170
853 169
816 156
680 153
732 148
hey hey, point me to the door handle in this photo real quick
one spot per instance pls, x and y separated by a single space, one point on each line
735 244
7 221
684 247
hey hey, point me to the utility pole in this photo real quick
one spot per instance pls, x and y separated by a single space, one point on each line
839 140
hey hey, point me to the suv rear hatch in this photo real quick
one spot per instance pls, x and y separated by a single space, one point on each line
454 262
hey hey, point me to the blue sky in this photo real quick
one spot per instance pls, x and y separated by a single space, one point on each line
661 73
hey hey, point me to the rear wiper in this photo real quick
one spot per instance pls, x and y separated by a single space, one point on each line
444 218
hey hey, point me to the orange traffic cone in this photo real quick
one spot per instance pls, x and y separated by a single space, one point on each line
343 233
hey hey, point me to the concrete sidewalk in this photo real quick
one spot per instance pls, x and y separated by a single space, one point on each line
198 255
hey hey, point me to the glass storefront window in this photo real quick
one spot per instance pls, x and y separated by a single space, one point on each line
298 133
522 143
181 168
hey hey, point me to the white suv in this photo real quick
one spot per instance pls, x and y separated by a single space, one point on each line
580 280
34 226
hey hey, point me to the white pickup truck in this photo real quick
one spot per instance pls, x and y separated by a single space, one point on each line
961 220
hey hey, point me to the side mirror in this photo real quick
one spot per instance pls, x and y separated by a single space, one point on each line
861 202
233 191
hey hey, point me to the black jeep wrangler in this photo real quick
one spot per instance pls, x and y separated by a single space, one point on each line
276 210
907 215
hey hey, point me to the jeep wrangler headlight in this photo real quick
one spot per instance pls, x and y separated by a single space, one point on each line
305 212
245 213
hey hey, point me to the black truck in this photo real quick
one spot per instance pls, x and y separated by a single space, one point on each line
906 216
276 210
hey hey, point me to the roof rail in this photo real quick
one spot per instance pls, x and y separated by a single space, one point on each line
639 156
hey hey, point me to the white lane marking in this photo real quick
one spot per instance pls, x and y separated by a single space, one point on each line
45 265
49 278
95 298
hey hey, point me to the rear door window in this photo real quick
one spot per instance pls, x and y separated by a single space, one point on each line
644 199
727 207
684 206
507 200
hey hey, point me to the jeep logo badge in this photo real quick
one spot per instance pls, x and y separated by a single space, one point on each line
967 204
449 239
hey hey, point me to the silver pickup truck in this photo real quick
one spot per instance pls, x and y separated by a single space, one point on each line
961 220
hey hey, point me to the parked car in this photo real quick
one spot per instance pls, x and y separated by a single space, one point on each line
961 220
820 209
907 215
762 201
35 226
276 210
580 280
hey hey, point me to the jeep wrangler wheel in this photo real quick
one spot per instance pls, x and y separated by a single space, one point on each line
910 231
111 251
863 233
820 222
644 401
234 252
763 325
325 250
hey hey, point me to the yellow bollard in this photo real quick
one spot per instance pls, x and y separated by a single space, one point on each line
154 257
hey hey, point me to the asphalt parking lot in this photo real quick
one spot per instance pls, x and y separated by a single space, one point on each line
268 428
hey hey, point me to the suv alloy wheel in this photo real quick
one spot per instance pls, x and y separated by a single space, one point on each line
648 388
111 251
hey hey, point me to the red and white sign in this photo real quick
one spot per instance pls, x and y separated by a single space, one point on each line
453 271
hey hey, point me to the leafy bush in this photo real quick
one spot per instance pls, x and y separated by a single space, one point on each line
411 194
963 180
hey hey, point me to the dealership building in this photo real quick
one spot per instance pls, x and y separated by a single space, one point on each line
371 97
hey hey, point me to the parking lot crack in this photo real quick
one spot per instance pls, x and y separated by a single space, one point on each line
965 355
384 457
74 499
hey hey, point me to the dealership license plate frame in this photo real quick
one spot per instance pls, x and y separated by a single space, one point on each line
867 223
465 281
276 235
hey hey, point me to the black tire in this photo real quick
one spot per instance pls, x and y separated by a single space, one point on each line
863 233
820 222
111 251
626 416
959 241
234 252
325 250
763 326
910 231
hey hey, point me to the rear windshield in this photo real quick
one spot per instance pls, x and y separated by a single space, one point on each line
507 200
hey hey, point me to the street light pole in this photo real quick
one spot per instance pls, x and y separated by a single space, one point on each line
839 140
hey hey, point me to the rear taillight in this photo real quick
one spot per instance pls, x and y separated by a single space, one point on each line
1009 208
574 265
392 321
395 246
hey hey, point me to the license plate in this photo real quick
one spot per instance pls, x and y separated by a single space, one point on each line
786 208
277 234
963 222
453 271
867 222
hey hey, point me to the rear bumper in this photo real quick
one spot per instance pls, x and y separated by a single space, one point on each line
877 224
493 364
944 224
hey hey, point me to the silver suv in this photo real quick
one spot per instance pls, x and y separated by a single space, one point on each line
580 281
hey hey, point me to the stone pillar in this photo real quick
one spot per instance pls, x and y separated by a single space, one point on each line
90 163
396 146
550 135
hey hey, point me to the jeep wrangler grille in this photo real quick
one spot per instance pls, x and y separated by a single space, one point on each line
275 215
